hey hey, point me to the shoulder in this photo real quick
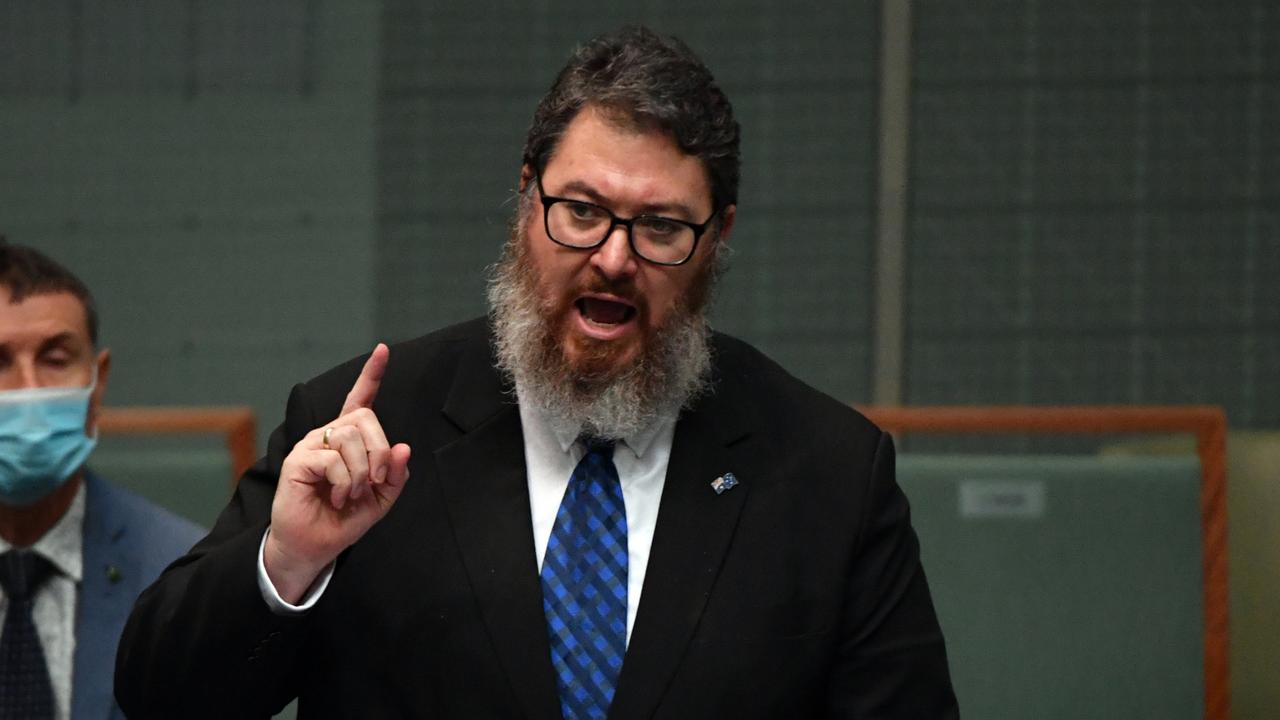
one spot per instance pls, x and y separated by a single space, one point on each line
148 525
749 382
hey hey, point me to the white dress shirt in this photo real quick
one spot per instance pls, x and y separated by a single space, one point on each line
550 457
642 468
54 611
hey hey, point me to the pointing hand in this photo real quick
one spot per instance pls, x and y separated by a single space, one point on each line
337 482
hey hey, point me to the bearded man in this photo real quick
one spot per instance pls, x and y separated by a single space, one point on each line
587 504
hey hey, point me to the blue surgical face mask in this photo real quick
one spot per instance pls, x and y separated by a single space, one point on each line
42 440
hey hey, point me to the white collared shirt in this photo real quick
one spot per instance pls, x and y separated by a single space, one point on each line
550 458
642 468
54 611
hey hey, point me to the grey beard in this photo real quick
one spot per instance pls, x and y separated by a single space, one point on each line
669 374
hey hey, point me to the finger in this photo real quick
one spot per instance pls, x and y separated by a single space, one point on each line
335 472
307 463
348 440
316 439
397 475
398 465
375 442
309 458
366 386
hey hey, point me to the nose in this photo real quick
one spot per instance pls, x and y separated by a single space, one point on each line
20 376
614 259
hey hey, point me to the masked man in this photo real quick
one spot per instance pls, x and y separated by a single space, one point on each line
74 551
587 504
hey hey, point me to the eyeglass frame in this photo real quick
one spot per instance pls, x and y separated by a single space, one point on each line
614 221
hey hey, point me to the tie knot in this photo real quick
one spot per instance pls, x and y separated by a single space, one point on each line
598 446
22 572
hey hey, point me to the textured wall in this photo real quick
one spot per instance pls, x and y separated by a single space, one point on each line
208 168
254 194
1094 214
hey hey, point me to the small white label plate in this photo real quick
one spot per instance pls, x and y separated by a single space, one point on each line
1019 499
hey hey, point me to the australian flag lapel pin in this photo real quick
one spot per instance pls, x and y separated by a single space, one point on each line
725 482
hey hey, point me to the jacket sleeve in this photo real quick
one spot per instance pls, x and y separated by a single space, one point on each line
201 641
891 661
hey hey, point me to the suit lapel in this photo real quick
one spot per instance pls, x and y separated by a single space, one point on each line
695 526
103 605
485 485
483 478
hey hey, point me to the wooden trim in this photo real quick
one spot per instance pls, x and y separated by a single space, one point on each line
1207 423
236 424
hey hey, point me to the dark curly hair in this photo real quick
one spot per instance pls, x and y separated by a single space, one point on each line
644 79
26 271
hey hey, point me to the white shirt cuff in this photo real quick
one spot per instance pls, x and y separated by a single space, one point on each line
277 603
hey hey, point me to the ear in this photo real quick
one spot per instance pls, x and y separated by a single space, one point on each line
103 362
727 216
526 177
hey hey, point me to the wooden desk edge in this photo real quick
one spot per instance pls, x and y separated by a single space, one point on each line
237 424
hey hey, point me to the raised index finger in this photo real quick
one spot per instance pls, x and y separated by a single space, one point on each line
366 387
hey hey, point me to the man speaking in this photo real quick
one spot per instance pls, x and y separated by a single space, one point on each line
586 504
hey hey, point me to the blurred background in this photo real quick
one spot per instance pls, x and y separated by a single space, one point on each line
1012 202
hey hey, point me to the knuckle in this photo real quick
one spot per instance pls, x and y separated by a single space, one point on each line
307 439
336 470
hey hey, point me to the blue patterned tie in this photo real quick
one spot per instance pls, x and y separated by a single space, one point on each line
584 586
25 689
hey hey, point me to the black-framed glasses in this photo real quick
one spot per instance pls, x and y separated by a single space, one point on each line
584 225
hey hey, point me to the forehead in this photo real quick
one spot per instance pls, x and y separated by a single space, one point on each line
41 316
633 163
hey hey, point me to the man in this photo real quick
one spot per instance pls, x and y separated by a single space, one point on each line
587 504
74 551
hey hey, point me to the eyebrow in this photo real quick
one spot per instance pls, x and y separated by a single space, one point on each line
65 339
671 208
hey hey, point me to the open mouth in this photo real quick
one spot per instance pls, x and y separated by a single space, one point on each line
603 312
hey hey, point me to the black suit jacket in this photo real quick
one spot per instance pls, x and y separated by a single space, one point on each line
798 593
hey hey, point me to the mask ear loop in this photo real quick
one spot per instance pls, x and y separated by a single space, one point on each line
88 400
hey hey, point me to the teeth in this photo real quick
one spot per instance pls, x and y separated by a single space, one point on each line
603 323
604 313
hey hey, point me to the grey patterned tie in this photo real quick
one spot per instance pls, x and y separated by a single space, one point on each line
25 689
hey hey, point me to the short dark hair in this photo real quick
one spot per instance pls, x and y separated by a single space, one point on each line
26 271
644 78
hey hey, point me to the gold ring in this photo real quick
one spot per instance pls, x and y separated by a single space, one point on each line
324 442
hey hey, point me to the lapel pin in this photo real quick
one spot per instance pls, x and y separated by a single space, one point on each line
725 482
113 574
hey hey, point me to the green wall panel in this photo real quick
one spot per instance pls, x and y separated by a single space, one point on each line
1066 586
210 172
